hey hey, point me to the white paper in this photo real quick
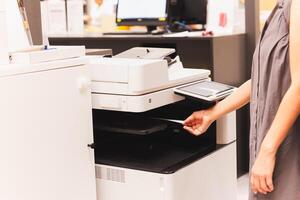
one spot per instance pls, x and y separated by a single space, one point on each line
56 16
75 17
17 37
45 23
3 38
180 34
172 120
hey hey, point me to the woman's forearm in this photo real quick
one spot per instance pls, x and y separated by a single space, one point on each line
236 100
286 115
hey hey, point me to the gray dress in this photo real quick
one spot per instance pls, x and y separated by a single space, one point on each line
270 81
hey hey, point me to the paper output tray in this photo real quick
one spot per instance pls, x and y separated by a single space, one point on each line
130 124
164 153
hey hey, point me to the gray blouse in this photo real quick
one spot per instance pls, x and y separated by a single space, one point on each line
271 79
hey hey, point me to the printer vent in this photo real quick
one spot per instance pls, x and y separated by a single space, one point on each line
110 174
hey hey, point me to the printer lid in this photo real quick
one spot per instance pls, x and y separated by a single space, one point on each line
146 53
125 76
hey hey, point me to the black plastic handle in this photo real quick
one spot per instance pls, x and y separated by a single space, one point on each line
92 146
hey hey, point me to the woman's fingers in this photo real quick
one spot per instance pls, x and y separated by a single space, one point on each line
189 129
196 128
195 118
190 120
254 184
256 187
193 130
263 185
197 123
262 172
269 181
197 132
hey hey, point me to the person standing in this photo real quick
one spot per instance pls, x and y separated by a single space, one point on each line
274 96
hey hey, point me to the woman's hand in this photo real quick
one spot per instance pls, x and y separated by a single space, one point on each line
199 122
99 2
262 172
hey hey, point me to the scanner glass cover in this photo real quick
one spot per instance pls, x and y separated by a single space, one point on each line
205 90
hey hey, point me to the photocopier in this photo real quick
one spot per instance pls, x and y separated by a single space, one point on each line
141 148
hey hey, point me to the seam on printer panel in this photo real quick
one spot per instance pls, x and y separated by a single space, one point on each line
148 92
39 71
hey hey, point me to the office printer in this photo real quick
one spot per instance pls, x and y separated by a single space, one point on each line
141 149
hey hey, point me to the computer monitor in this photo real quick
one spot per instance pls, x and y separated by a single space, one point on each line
142 12
188 11
194 11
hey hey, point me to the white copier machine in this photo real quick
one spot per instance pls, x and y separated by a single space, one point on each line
46 125
141 149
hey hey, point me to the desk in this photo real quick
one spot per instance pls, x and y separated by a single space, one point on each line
98 52
224 55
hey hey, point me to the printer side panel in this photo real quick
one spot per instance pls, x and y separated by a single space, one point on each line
226 129
210 178
114 183
46 125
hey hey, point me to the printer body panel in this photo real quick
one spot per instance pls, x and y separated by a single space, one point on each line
107 72
138 85
226 128
46 124
133 184
170 165
143 78
140 76
136 104
122 76
212 177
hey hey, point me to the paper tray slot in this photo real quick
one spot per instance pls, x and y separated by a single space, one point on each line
130 124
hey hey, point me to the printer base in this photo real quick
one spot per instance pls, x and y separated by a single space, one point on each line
212 177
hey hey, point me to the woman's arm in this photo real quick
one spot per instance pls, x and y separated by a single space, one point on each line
233 102
286 116
200 121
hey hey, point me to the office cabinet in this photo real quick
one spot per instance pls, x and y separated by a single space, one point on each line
46 125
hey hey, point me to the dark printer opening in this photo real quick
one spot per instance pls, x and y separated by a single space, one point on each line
144 141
